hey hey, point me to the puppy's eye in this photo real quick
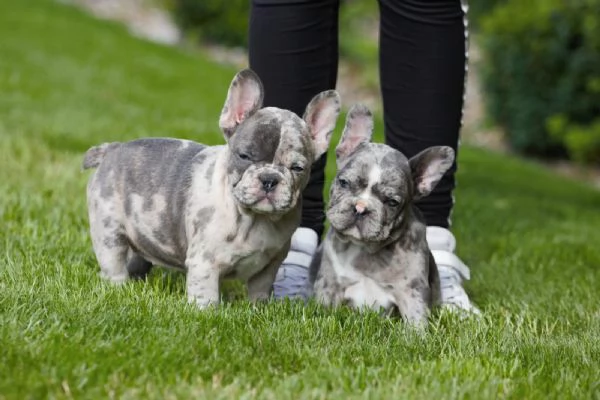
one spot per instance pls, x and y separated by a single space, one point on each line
297 168
392 203
343 183
244 156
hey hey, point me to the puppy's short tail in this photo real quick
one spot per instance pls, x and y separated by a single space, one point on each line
93 157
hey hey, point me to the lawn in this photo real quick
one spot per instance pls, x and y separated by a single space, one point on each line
68 82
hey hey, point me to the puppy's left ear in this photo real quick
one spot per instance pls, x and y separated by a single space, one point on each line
358 130
321 115
428 167
244 98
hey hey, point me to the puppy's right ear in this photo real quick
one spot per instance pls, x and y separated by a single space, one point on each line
358 130
428 167
244 98
320 116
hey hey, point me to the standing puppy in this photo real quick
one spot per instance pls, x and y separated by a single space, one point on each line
222 211
375 254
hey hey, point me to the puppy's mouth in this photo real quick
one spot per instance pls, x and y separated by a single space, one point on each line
358 235
269 203
357 228
265 202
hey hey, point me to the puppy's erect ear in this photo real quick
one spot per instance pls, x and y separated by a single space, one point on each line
428 167
358 130
320 116
244 98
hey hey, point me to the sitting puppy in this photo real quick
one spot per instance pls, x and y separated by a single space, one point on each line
375 253
221 211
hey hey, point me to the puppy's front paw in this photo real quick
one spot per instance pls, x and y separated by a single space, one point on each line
202 285
415 313
203 302
418 323
259 297
117 279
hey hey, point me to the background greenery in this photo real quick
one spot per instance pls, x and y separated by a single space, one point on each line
542 75
68 82
224 22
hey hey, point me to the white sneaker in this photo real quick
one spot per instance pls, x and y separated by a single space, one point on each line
292 278
452 270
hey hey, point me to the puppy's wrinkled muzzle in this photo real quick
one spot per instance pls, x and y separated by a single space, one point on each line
356 219
265 192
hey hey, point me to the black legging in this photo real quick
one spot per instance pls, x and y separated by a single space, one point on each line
294 49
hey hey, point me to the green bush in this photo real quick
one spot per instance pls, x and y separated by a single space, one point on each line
542 75
582 142
479 9
223 22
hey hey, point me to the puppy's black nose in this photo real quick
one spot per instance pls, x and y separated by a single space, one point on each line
269 181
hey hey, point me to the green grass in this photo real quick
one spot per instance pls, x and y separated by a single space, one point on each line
68 82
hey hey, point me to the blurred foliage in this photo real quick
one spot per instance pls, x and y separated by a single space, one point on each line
478 9
541 73
216 21
358 39
582 141
358 19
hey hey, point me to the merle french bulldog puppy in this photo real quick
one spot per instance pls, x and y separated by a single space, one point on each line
375 254
215 212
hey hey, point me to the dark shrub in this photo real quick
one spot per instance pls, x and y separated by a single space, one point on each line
542 75
479 8
224 22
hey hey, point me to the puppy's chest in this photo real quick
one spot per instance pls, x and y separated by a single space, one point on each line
387 268
255 243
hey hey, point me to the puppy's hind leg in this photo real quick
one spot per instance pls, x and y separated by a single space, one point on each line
108 239
111 247
111 252
137 266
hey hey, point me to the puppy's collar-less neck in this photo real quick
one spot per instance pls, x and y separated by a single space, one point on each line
370 247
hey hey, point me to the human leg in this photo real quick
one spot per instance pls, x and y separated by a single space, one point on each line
293 47
422 68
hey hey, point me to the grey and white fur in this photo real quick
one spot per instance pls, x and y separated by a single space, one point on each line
213 211
375 253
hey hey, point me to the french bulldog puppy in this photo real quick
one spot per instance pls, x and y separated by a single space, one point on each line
213 211
375 253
